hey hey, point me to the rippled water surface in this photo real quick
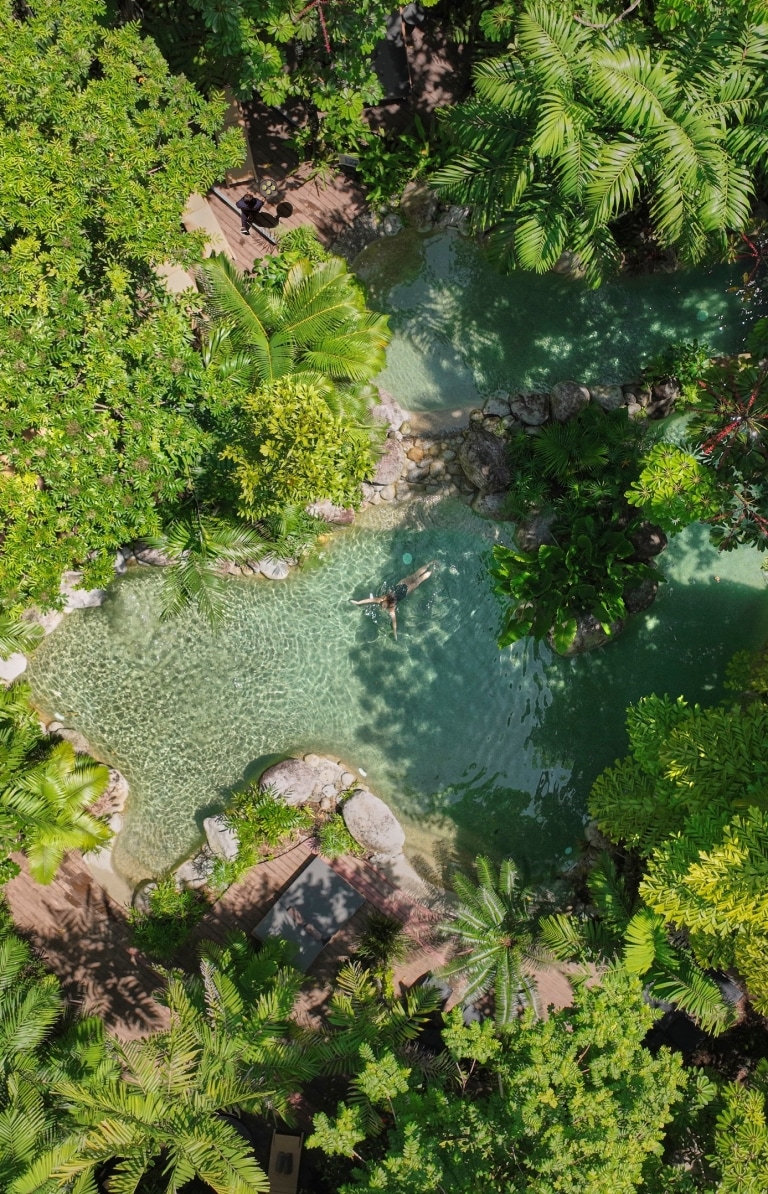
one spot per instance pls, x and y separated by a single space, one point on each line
475 748
461 330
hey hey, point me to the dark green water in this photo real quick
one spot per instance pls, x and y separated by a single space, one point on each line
476 749
461 330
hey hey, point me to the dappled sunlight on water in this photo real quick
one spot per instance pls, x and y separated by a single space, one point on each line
474 748
462 330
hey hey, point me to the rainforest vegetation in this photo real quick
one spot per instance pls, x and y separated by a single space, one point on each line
204 425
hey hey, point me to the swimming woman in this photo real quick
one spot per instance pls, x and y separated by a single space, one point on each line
390 600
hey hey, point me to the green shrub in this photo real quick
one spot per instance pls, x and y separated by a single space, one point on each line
260 818
172 915
383 943
548 589
295 450
335 839
686 361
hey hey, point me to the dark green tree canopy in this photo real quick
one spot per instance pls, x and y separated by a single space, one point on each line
584 121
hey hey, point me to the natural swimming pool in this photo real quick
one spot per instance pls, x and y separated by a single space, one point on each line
461 330
474 748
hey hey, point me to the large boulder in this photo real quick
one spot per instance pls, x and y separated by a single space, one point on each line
648 541
372 823
222 840
274 569
388 411
12 667
151 556
391 463
609 397
76 598
531 409
566 399
340 516
664 394
197 871
293 781
418 205
484 460
534 530
497 405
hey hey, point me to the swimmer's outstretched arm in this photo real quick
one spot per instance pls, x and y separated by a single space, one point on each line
369 601
392 611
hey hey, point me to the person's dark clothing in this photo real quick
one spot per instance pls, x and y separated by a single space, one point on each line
248 206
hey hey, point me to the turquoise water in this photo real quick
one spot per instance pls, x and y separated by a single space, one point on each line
461 330
474 748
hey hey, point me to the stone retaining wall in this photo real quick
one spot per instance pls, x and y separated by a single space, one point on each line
463 452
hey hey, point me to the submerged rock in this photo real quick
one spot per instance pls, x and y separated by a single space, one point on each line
418 205
589 635
372 823
643 595
484 460
491 505
292 781
566 399
222 840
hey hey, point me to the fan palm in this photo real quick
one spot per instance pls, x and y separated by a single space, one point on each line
197 546
625 927
49 800
494 935
572 129
316 324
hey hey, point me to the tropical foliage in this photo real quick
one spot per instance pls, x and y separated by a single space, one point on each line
494 942
584 121
313 322
573 476
197 547
46 790
620 927
101 147
318 53
164 925
691 797
571 1103
720 474
292 450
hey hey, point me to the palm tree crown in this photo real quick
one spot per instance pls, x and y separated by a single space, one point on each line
494 936
315 323
572 129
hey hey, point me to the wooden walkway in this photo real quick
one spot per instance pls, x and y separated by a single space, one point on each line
85 939
329 201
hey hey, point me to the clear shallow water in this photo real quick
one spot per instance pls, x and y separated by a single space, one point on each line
461 330
474 748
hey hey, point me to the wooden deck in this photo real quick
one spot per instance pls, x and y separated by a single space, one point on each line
330 201
85 939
